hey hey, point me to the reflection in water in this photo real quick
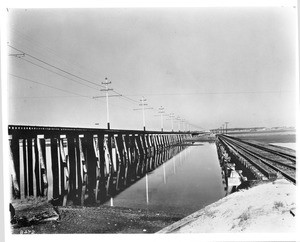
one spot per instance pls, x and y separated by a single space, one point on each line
147 190
183 184
127 163
164 168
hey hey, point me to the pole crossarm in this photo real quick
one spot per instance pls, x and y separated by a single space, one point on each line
161 112
141 108
108 96
17 55
106 81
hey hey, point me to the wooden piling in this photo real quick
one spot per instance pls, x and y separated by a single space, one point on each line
97 169
65 170
91 166
55 168
81 165
21 169
13 174
72 168
49 170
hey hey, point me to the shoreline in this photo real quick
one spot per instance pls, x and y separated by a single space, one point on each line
246 211
98 220
106 219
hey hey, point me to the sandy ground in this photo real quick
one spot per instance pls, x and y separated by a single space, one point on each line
267 208
95 220
264 208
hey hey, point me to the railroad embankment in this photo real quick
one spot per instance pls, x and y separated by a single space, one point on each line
267 208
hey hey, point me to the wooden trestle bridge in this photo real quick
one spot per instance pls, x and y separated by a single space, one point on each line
82 165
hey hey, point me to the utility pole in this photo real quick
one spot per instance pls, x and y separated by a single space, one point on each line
106 83
178 120
161 111
143 109
172 116
143 104
183 124
226 126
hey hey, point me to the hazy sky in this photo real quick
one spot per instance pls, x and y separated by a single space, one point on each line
207 65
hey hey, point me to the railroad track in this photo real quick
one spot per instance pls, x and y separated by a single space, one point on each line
264 152
268 161
282 152
261 170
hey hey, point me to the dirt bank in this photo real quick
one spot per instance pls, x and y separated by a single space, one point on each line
266 208
103 219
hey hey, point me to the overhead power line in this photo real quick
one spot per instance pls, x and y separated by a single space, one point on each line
55 67
43 84
43 97
67 72
125 97
48 51
58 74
49 86
210 93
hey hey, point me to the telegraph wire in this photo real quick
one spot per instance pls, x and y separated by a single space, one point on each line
47 52
57 73
208 93
125 97
67 72
36 44
64 71
59 89
46 63
43 84
44 97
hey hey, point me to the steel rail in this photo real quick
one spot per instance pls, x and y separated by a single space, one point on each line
274 167
267 158
284 155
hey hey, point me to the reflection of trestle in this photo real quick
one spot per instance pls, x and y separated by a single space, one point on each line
169 154
82 166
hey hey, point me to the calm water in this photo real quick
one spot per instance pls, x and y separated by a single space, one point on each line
287 145
182 185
